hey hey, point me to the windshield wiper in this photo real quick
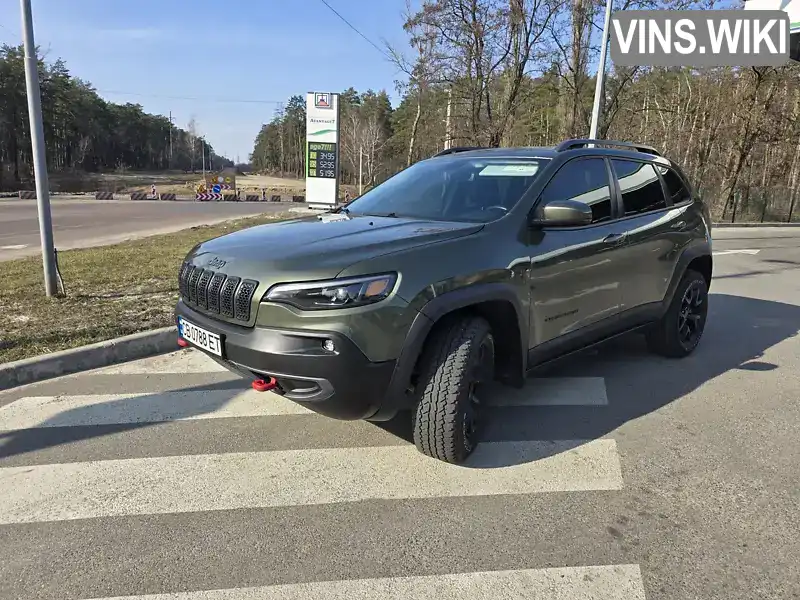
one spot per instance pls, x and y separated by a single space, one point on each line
391 215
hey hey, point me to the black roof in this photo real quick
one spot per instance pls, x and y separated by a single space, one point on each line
577 146
517 151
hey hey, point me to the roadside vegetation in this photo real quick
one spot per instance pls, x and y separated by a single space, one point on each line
91 144
518 73
111 291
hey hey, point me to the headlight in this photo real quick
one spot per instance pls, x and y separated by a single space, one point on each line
335 293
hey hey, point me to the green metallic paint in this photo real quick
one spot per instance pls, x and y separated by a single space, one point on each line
565 281
378 330
311 249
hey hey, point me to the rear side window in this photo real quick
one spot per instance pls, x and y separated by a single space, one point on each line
675 186
584 180
640 187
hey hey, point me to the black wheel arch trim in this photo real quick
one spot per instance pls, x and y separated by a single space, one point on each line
423 323
699 250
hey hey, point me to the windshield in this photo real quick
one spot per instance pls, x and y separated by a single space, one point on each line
452 188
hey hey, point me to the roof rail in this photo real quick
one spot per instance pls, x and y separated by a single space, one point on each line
571 144
456 149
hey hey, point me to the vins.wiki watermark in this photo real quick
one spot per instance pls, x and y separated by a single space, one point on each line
671 38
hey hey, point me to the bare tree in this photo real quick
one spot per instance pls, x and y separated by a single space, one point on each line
483 50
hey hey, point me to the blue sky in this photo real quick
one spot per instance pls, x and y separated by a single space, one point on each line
201 50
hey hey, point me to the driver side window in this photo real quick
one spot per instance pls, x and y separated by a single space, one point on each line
582 180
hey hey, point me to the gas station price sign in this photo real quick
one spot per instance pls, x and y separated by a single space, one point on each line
322 158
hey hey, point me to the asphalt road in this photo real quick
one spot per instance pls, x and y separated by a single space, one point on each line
614 476
80 223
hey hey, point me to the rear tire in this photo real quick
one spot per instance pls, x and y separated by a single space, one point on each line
457 359
678 332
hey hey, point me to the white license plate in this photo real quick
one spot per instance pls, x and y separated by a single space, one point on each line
200 337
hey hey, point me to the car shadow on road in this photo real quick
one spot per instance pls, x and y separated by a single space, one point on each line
116 416
738 333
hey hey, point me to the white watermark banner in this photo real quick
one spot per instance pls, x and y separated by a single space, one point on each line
711 38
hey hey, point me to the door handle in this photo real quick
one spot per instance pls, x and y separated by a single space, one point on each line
678 225
614 238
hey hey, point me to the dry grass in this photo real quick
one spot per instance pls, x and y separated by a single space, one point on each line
111 291
187 184
173 182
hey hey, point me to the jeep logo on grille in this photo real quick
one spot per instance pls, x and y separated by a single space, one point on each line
217 262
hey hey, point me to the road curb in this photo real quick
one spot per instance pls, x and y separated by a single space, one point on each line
726 225
84 358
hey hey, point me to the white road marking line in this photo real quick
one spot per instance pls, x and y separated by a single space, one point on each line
14 247
182 361
606 582
552 391
180 484
546 391
742 251
112 409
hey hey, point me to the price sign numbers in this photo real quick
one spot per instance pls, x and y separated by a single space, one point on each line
322 160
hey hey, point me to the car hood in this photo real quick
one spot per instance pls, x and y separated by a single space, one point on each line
318 247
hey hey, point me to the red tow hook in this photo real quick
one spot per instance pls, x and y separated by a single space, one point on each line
183 343
260 385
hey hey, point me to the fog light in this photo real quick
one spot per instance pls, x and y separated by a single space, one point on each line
329 346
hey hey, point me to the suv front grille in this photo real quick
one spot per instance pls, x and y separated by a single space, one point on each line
213 292
216 294
202 289
241 308
226 296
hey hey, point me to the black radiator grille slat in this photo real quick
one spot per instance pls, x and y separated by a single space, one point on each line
213 292
226 297
182 279
193 277
182 276
216 294
243 298
202 289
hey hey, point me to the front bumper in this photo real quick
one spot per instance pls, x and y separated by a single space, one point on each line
342 384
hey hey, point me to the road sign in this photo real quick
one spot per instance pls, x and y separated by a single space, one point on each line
322 149
225 179
208 197
216 189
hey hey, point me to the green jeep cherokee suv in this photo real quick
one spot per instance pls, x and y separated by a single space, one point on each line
473 265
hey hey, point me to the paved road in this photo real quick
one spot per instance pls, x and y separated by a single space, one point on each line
617 476
89 222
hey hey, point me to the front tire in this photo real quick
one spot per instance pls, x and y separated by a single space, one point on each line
678 332
457 359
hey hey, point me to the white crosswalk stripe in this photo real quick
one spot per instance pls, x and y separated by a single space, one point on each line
618 582
339 474
106 409
291 477
183 361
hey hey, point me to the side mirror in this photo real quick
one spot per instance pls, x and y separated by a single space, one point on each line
563 213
